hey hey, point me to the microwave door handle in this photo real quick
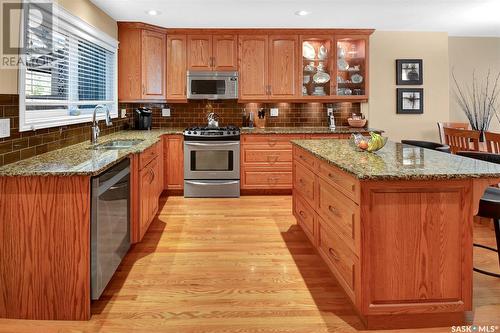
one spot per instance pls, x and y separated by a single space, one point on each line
211 144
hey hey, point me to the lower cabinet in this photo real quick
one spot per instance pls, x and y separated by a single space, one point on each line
173 162
147 185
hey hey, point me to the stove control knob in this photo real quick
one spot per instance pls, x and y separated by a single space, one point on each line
189 132
228 133
234 133
195 132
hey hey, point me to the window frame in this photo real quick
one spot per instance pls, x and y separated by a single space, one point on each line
75 26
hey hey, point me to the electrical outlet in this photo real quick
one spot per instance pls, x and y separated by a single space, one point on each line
165 112
4 128
329 112
274 112
124 113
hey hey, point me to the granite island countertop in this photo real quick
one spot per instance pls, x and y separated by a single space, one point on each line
396 161
81 160
306 130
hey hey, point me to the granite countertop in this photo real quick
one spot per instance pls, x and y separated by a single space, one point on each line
81 159
306 130
398 162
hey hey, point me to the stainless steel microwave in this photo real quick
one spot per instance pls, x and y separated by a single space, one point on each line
212 85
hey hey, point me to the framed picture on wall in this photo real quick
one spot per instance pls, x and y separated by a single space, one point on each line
409 72
410 100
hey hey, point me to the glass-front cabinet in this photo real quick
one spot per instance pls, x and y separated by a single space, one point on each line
317 67
351 78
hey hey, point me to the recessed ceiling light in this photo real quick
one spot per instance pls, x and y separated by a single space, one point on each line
302 13
153 12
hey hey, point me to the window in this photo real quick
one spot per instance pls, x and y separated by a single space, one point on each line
68 67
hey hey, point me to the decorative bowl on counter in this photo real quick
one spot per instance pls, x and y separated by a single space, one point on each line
370 144
356 122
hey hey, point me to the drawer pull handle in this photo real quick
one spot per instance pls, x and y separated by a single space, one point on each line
333 210
302 213
332 176
333 254
272 158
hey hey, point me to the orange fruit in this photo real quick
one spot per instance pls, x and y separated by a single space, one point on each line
363 144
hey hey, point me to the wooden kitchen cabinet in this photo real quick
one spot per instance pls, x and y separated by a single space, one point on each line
173 157
283 62
147 184
176 68
212 52
141 63
253 67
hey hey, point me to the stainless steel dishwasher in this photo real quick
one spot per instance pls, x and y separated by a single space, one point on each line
110 224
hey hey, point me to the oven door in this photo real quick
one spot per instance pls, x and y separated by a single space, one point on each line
211 160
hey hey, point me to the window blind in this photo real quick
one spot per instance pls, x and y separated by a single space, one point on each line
67 70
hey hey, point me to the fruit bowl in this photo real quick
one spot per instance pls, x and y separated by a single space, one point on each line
356 122
371 144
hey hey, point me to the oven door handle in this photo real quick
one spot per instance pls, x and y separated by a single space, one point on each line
212 184
212 144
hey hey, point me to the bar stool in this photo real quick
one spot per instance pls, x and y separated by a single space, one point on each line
489 205
427 144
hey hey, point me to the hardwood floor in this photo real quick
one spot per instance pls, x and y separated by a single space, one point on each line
234 265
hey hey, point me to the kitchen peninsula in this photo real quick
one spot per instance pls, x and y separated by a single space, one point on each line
394 227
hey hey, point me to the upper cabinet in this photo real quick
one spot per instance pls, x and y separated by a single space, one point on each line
352 67
141 63
268 67
212 52
253 62
317 71
176 68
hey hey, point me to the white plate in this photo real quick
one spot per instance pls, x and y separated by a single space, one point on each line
308 51
342 65
356 78
321 77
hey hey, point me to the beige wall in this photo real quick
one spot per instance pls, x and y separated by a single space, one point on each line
468 54
84 9
385 48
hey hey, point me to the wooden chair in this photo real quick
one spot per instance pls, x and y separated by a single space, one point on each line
492 142
442 125
460 139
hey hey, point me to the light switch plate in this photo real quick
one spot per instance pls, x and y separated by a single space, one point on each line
329 112
124 113
274 112
165 112
4 128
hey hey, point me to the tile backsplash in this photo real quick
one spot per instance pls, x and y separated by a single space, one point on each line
22 145
231 113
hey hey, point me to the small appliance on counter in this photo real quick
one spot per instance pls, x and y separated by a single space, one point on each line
143 118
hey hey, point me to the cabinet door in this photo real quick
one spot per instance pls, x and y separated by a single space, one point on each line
144 199
153 65
153 189
283 66
176 67
224 51
199 51
253 67
175 169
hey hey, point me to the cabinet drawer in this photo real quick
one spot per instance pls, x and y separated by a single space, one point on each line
270 140
340 213
344 182
304 157
304 183
264 156
338 257
306 218
148 155
258 178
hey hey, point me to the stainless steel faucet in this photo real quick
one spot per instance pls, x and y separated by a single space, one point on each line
95 122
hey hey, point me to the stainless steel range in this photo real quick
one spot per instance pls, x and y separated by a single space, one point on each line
212 162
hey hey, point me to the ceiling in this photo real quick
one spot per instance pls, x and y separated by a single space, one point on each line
457 17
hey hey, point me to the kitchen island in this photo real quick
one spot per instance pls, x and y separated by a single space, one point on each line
394 227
